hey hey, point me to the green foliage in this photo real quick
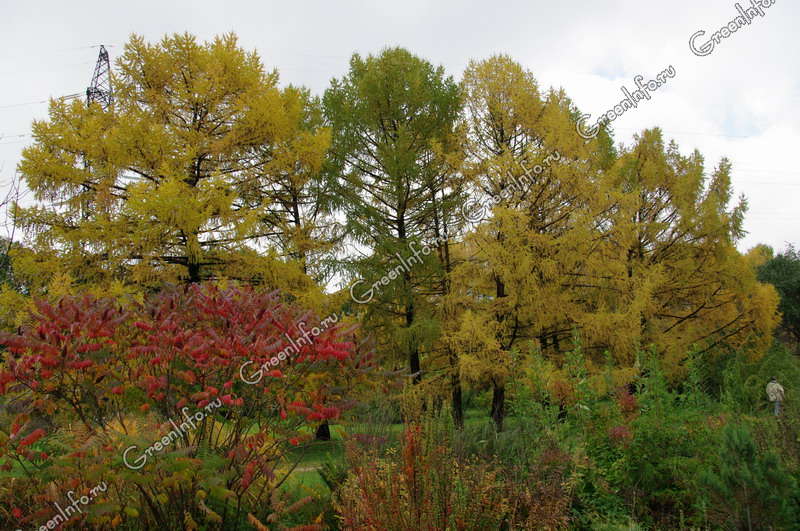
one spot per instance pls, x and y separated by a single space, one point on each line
393 118
748 488
744 381
672 440
6 272
783 272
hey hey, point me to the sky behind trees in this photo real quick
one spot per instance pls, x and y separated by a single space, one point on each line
739 101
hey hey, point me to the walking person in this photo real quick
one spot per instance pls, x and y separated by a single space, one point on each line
775 394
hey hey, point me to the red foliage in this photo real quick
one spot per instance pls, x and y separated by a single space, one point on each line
626 402
63 346
620 434
32 438
183 348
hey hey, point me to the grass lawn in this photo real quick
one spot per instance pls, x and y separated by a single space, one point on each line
314 454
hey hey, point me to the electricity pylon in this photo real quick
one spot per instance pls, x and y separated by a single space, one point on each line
100 89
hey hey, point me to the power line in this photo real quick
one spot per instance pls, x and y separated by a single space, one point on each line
768 183
23 104
39 102
684 133
86 47
791 172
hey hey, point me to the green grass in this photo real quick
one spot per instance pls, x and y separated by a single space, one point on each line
314 453
307 482
317 452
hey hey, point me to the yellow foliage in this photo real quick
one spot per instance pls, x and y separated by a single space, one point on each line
176 181
635 253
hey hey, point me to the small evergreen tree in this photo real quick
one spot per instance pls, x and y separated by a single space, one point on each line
783 272
748 488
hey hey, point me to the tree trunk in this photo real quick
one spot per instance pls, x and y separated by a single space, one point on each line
457 403
414 366
499 390
562 412
498 405
193 254
323 432
194 272
413 355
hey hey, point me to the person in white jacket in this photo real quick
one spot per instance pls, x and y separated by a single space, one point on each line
775 393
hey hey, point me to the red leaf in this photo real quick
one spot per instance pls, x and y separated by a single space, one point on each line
50 362
91 347
32 438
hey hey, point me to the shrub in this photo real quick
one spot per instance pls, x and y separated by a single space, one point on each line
748 488
670 441
120 380
422 487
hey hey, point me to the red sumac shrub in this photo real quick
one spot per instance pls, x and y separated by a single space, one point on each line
151 399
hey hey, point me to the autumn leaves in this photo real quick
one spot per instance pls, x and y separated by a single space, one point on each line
207 169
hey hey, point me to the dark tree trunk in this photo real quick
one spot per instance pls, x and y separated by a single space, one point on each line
438 402
499 389
413 365
323 432
562 412
457 403
498 405
413 355
194 272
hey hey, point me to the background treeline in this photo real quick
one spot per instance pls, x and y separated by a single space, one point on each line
564 327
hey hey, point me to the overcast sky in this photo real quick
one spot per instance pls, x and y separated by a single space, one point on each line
739 101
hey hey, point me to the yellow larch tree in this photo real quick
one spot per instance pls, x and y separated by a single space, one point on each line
180 179
526 161
672 279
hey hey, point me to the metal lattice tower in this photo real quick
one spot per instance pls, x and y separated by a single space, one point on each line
100 90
